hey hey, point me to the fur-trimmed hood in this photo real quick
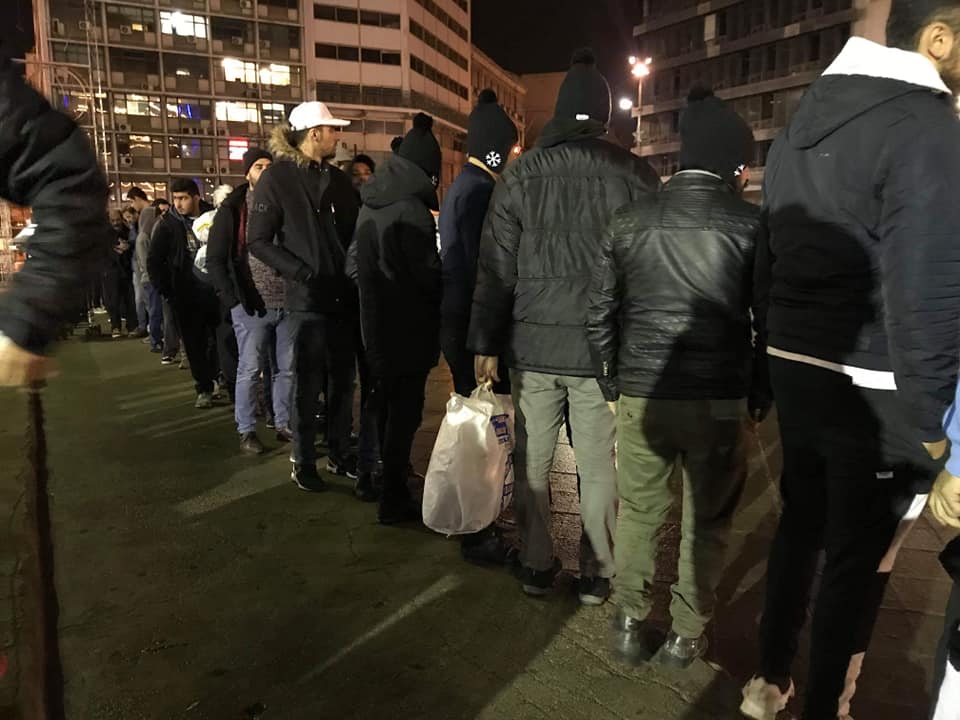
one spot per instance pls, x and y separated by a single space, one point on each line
281 148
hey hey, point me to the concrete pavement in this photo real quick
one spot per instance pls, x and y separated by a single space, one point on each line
196 583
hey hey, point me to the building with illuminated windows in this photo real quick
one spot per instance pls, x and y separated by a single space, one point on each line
760 55
170 88
379 62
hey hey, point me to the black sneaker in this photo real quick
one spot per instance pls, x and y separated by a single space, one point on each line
485 548
271 423
284 434
307 478
367 489
399 511
250 444
538 583
347 467
168 360
593 591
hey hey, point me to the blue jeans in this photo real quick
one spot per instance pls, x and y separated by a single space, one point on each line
155 313
263 343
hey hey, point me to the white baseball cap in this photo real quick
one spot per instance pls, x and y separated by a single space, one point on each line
313 114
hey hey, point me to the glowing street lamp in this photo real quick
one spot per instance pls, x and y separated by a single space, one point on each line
639 70
626 104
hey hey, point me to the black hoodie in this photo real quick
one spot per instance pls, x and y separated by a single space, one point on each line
863 263
398 270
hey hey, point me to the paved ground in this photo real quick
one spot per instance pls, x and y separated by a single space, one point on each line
197 584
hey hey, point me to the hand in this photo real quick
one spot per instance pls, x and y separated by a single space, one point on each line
945 500
19 367
613 406
486 369
937 449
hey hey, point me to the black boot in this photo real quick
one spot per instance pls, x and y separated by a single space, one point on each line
367 489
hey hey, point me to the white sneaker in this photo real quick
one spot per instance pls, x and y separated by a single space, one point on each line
763 700
204 401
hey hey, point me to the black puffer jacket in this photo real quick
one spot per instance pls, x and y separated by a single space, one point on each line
47 164
398 270
863 262
670 303
540 243
301 224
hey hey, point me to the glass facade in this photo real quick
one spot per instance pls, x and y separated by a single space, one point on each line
759 55
169 88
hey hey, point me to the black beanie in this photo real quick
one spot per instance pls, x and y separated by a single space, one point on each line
584 93
491 133
713 137
395 144
252 155
421 147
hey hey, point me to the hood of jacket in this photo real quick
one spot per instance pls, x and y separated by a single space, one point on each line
235 199
398 179
282 149
864 76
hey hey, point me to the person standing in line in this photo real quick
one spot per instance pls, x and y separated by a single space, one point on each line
540 242
301 223
255 295
170 264
669 325
400 292
490 139
118 279
139 202
362 168
863 327
146 222
49 167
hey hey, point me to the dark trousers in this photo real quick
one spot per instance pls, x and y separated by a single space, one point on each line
171 329
228 352
118 295
155 313
400 414
198 315
323 352
851 468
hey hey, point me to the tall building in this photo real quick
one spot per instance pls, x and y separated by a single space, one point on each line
379 62
510 89
171 88
758 54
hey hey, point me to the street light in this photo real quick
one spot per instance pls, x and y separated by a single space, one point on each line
639 70
626 104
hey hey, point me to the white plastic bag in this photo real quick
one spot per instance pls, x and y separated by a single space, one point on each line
470 478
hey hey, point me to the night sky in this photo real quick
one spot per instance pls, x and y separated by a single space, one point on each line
527 36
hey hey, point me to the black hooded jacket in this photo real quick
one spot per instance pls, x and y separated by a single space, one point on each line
398 270
301 224
863 264
540 242
47 164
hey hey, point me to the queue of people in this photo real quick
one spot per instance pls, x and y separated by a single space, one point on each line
655 320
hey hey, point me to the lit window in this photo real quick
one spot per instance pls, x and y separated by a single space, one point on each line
275 75
237 147
237 112
272 113
239 71
178 23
